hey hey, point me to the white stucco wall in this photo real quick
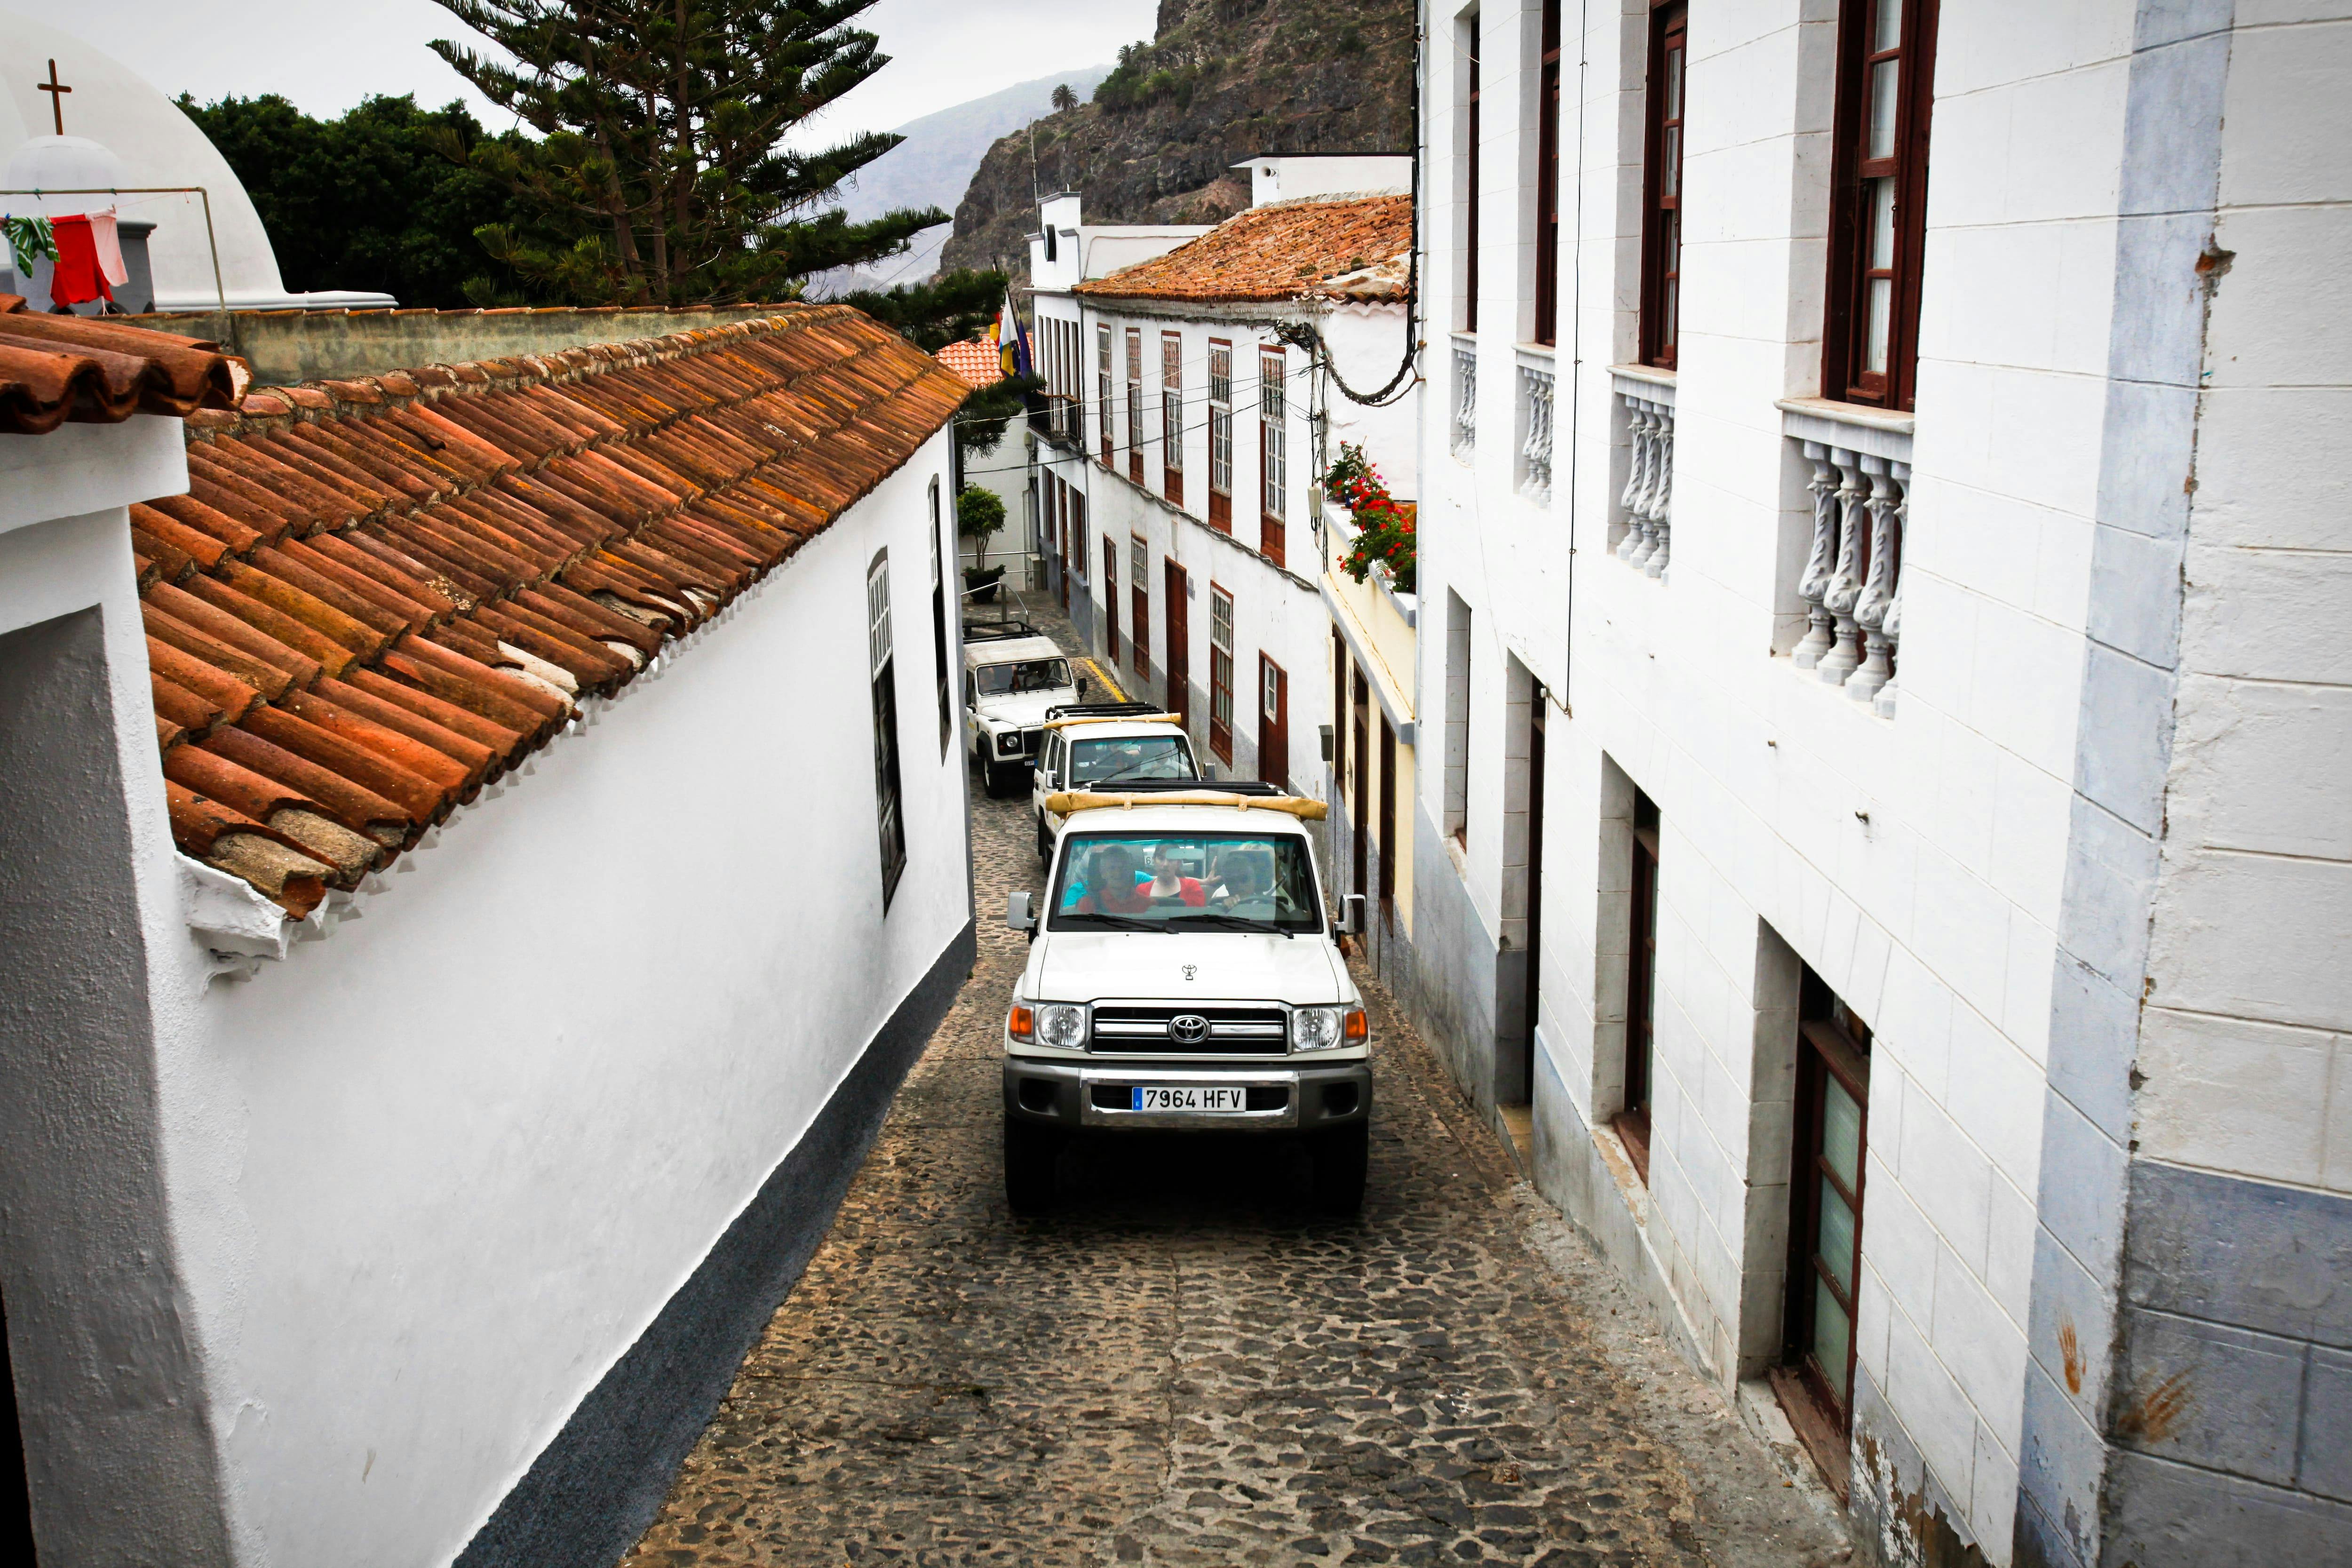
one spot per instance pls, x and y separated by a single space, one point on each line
1916 863
2245 1045
438 1172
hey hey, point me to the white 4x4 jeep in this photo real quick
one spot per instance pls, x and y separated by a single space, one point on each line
1182 975
1009 681
1103 745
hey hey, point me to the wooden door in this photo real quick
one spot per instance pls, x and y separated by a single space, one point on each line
1273 723
1388 820
1535 889
1110 600
1179 652
1360 791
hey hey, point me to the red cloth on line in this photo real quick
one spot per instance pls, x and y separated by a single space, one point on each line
77 276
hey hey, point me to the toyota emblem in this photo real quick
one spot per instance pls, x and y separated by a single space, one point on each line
1188 1028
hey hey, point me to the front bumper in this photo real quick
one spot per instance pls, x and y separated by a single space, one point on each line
1050 1093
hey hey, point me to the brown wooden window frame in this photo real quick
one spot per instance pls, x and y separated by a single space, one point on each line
1662 181
1107 416
1273 453
1221 435
1547 236
1832 1049
1135 405
1171 417
1139 577
1866 253
1632 1120
1220 673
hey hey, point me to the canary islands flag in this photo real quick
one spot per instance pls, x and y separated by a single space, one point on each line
1012 340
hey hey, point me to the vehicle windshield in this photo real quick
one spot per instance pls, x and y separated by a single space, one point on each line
1134 757
1215 881
1025 675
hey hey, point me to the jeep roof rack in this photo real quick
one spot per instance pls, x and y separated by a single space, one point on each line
994 631
1248 795
1100 711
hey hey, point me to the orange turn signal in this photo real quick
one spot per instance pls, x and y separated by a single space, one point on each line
1021 1024
1354 1029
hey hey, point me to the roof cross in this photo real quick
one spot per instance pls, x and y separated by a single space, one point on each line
57 97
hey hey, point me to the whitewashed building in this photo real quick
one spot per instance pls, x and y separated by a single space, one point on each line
479 844
1193 383
1889 827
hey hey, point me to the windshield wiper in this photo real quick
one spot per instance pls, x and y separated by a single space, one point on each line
1112 922
1233 922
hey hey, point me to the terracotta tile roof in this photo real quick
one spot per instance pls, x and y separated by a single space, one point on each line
1283 251
380 595
58 368
978 362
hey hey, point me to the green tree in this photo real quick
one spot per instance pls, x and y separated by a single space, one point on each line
1064 99
980 513
374 199
661 127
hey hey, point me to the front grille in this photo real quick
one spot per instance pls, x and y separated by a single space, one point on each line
1123 1030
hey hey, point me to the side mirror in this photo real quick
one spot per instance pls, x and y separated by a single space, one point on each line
1352 917
1085 686
1016 912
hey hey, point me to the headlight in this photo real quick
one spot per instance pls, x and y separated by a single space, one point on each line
1313 1028
1009 744
1062 1026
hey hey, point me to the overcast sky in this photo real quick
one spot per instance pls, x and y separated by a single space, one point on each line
327 55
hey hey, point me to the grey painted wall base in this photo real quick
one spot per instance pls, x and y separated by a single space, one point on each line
1572 1174
1457 967
594 1489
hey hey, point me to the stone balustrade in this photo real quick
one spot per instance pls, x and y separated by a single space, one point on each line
1536 384
1465 398
1853 578
1646 504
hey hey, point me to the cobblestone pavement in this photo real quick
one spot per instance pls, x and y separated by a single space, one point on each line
1183 1364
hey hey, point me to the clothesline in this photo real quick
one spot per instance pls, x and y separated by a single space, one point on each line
220 291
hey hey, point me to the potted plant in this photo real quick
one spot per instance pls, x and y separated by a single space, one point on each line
980 513
1385 535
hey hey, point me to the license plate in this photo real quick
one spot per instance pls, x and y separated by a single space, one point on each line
1188 1097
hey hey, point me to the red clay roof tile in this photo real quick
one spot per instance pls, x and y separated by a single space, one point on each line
376 575
1285 251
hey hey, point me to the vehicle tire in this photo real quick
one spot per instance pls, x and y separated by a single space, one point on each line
1029 1155
1341 1156
1044 841
991 780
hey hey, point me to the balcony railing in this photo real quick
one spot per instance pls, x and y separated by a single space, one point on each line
1465 398
1853 578
1646 504
1536 419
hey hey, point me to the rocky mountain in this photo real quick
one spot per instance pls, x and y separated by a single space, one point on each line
931 167
1221 81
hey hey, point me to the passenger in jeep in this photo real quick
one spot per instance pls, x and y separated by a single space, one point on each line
1111 885
1168 883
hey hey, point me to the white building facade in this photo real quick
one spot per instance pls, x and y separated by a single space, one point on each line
1878 829
463 1093
1183 436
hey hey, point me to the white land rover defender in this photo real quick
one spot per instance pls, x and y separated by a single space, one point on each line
1182 975
1010 677
1102 745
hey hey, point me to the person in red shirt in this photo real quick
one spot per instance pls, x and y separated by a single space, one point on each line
1170 885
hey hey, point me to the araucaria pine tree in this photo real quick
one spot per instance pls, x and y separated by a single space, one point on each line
661 144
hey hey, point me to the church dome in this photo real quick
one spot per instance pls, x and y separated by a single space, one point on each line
60 164
119 124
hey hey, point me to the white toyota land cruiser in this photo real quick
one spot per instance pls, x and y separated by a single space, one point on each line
1182 975
1009 678
1102 745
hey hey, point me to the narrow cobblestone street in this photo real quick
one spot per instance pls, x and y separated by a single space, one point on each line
1183 1364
